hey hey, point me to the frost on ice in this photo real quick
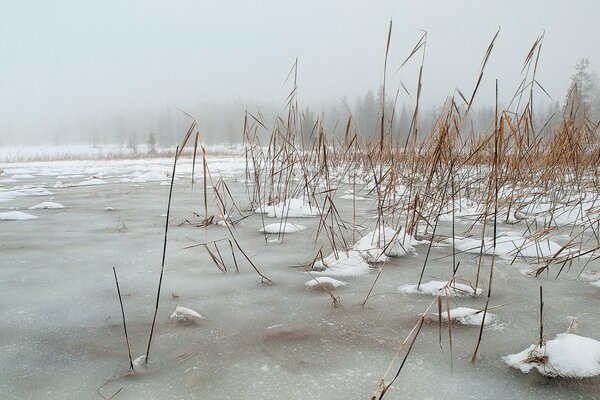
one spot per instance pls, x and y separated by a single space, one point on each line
443 288
324 281
565 356
186 314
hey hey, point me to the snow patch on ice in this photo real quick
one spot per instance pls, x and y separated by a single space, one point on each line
566 356
16 216
284 227
47 205
342 263
467 316
378 245
510 245
291 208
92 182
327 282
186 314
443 288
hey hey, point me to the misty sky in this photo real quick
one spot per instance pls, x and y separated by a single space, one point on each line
70 59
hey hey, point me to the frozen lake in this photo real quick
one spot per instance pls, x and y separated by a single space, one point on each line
62 336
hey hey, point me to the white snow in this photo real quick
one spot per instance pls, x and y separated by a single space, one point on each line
140 361
348 263
33 191
510 245
467 316
16 216
185 314
568 356
22 176
292 208
283 227
377 245
47 205
329 283
150 176
442 288
91 182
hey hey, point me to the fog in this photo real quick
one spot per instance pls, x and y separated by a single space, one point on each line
112 71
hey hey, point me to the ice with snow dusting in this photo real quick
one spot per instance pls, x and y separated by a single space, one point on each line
566 356
47 205
16 216
324 281
283 227
342 263
443 288
291 208
467 316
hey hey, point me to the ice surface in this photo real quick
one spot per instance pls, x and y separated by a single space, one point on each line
62 333
566 356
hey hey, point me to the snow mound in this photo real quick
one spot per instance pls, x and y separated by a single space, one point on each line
92 182
47 205
327 282
140 361
378 245
292 208
348 263
467 316
287 227
442 288
22 176
565 356
34 191
60 185
186 314
16 216
510 245
152 176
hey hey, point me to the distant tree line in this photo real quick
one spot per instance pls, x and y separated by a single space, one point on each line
223 122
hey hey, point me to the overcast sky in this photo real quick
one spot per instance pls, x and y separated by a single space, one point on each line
67 59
